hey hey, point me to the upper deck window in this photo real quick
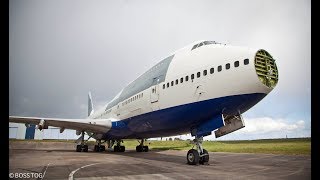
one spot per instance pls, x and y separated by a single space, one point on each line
204 43
195 46
200 45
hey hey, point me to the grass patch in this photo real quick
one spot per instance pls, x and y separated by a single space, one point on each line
297 146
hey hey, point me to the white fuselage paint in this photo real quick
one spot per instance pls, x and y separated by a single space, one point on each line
234 81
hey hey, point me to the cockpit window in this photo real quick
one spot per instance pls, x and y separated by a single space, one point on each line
204 43
195 46
209 42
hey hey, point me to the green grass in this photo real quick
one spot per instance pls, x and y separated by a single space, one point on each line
298 146
301 146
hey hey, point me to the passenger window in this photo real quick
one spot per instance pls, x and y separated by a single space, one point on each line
236 64
198 74
200 45
187 78
171 83
211 70
167 85
205 72
181 80
219 68
177 81
192 76
228 66
246 61
164 86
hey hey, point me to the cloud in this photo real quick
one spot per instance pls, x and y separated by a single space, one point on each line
263 125
268 128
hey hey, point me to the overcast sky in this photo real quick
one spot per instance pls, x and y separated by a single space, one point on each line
59 50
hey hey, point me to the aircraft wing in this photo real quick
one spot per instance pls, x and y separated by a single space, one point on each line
88 125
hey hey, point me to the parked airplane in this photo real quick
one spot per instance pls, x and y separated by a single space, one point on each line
201 88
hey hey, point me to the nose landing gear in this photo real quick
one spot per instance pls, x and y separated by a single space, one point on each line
199 155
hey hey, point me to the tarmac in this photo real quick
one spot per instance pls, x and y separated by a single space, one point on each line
60 161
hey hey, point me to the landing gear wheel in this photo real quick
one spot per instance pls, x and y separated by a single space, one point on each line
193 157
82 148
116 148
204 159
85 148
78 148
122 149
145 148
119 148
139 148
98 148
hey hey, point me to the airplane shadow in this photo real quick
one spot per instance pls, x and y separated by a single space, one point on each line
154 154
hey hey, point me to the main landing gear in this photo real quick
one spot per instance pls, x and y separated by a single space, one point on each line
82 147
118 147
141 147
99 147
199 155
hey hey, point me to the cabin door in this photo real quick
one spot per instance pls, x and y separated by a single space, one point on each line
154 97
199 89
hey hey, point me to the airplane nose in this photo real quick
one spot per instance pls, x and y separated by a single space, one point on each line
266 68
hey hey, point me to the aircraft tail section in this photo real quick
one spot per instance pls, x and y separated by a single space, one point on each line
90 104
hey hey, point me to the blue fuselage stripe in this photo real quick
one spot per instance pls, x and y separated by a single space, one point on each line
180 119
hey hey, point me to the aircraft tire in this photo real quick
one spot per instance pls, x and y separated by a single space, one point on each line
122 148
193 157
116 149
102 148
139 148
78 148
85 148
204 159
96 148
145 148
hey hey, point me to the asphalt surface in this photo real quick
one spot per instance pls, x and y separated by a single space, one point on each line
65 163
